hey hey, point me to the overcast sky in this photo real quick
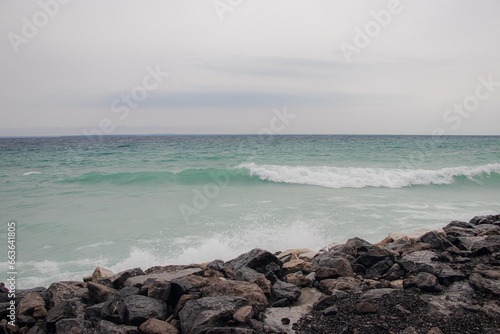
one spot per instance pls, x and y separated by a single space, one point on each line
84 66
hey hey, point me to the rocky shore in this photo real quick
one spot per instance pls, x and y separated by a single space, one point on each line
442 281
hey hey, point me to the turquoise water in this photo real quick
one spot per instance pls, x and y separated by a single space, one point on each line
129 201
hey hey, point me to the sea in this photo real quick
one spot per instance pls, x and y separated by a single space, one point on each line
122 202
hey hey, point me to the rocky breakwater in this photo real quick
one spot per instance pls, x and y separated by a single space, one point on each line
445 281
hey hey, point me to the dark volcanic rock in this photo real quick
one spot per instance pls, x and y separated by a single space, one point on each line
207 312
256 259
436 240
141 308
374 255
284 290
490 244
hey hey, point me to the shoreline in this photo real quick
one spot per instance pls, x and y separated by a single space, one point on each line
439 281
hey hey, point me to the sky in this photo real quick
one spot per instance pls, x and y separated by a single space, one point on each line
93 67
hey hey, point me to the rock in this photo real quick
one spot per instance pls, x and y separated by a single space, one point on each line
385 241
216 265
116 281
342 283
256 259
434 330
457 224
197 281
169 274
380 268
98 292
411 248
410 236
100 273
395 272
488 271
308 257
67 291
484 219
264 284
29 303
25 321
141 308
359 244
296 265
114 310
283 290
490 244
486 285
62 310
294 252
159 290
436 240
249 275
409 330
201 314
69 326
332 310
128 291
374 255
375 294
426 282
325 273
155 326
93 314
366 307
182 302
327 301
249 291
298 280
244 314
106 327
418 261
228 330
331 260
457 296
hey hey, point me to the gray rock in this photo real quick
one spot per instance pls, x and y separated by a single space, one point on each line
69 326
208 312
486 285
128 291
374 255
375 294
106 327
159 290
116 281
93 313
436 240
458 296
490 244
114 310
141 308
427 282
256 259
62 310
327 301
418 261
216 265
281 290
98 292
380 268
329 259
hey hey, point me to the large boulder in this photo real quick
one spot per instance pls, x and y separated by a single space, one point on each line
113 310
328 286
256 259
30 303
204 313
67 291
249 291
116 281
375 254
141 308
98 292
100 273
155 326
486 285
490 244
283 290
436 240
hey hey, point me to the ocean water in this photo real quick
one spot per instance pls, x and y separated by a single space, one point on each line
139 201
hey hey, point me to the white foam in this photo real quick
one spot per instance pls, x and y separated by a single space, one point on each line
355 177
99 244
29 173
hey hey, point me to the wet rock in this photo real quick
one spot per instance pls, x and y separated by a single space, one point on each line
380 268
325 273
159 290
207 312
283 290
249 291
457 296
141 308
156 326
256 259
182 302
216 265
375 254
128 291
76 292
418 261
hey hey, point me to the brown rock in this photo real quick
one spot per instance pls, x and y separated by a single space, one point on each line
386 241
182 302
325 273
29 303
297 265
434 330
298 280
155 326
365 307
294 252
250 291
244 314
101 272
341 283
98 292
264 284
197 281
